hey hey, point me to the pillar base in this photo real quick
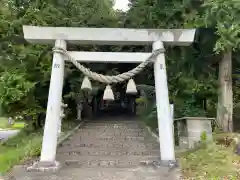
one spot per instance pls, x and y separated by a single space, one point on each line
161 163
171 164
44 166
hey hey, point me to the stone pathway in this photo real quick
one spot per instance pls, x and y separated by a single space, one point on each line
105 150
5 134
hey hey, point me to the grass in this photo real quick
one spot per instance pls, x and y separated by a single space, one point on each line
4 124
19 148
207 162
23 147
213 162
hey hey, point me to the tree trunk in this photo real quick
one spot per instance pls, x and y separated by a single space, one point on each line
225 94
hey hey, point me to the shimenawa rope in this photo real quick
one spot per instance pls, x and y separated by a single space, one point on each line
108 93
105 78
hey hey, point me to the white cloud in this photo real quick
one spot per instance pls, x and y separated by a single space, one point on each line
121 5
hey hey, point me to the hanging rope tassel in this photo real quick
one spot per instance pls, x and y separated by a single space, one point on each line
131 87
86 84
108 93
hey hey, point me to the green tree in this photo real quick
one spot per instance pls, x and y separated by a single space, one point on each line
32 63
188 67
224 16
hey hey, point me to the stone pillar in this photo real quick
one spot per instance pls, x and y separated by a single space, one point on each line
79 111
62 115
165 123
172 111
10 121
50 136
60 121
172 116
195 127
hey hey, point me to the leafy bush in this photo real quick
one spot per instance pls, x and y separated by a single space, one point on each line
189 108
14 88
146 107
236 117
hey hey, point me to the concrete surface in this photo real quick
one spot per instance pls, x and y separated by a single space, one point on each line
105 150
108 36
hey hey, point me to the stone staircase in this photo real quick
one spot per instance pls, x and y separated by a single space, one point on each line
107 150
118 144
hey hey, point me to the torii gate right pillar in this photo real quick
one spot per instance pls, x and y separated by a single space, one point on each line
165 120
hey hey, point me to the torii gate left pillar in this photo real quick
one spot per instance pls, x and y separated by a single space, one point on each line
106 36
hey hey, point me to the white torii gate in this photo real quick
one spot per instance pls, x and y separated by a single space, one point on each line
60 36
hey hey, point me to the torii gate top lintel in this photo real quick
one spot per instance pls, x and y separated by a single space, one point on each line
108 36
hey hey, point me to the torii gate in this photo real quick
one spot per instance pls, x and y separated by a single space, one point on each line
60 36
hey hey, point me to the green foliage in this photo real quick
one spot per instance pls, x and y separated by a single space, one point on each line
225 17
203 136
29 66
188 68
13 89
189 108
237 110
146 108
236 78
192 71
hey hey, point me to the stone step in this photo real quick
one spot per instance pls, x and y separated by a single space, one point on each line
102 130
105 161
123 128
96 123
115 120
112 133
100 173
114 126
106 145
110 123
120 142
108 138
103 157
99 129
107 152
100 164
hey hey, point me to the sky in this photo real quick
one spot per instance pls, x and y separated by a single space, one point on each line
121 5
